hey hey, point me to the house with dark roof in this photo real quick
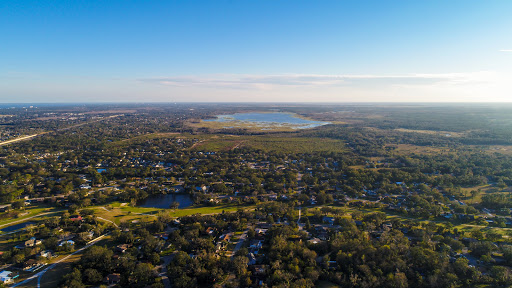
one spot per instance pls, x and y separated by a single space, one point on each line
113 278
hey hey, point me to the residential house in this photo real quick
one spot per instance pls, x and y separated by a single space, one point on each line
45 254
122 248
7 277
75 218
32 242
30 263
113 278
210 230
328 220
67 242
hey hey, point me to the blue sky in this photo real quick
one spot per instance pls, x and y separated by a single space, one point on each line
285 51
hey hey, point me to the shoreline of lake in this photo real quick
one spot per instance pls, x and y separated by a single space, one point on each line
279 119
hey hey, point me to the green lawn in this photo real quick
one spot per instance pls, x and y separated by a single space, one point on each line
124 214
208 210
30 212
120 213
276 143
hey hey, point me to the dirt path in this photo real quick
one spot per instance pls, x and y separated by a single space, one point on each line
196 144
238 144
108 221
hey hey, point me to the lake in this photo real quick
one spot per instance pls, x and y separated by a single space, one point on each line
274 118
165 200
16 227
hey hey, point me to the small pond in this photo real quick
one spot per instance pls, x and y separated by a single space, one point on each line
16 226
165 200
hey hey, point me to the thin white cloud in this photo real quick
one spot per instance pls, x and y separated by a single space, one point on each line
248 81
506 50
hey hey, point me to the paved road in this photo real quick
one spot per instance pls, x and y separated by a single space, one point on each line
41 273
240 242
165 279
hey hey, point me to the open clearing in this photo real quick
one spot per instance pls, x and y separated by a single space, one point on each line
278 144
118 213
414 149
30 212
432 132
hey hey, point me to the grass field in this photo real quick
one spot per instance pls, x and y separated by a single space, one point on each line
413 149
206 210
274 143
467 192
123 213
432 132
118 213
279 142
501 149
27 213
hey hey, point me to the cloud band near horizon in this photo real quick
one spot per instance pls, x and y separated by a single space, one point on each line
253 81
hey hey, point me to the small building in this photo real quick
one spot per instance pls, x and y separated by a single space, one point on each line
122 248
67 242
314 241
252 259
45 254
32 242
113 278
164 236
328 220
30 263
75 218
7 277
225 237
258 269
256 244
210 230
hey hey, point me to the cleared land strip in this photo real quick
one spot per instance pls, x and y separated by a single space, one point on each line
19 139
